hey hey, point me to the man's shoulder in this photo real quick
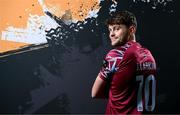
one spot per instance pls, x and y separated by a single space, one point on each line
132 49
128 48
136 47
141 52
115 53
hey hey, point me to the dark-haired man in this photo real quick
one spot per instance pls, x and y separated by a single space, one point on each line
128 69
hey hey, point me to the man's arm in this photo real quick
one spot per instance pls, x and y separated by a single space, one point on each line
99 89
101 85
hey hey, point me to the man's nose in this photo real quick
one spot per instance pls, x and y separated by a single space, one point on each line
112 34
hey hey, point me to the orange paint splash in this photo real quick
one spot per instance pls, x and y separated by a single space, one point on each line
79 8
16 12
9 45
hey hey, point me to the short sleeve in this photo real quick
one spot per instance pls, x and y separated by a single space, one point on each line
110 64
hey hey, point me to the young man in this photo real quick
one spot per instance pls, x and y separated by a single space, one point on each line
128 70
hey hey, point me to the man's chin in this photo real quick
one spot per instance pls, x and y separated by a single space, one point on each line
113 44
116 44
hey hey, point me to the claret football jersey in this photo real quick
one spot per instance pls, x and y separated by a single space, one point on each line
130 69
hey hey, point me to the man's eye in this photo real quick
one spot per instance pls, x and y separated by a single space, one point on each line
117 28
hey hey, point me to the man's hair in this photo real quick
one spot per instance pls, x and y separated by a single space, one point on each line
122 17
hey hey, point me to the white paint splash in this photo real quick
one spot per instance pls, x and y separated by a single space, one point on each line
33 34
154 3
113 7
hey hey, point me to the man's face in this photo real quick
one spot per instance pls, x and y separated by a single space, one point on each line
118 34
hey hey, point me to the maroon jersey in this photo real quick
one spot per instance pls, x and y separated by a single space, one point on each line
130 69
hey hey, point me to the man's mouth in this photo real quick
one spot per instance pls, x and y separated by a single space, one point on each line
113 39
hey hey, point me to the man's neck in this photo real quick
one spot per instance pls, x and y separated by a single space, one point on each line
132 38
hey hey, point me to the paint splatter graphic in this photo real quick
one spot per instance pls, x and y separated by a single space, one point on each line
38 17
70 33
155 3
78 9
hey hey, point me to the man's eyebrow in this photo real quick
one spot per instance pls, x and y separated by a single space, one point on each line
117 25
109 29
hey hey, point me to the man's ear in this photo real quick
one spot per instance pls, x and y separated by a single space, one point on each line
132 29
